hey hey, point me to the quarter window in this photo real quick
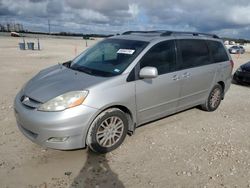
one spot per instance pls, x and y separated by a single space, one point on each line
161 56
218 51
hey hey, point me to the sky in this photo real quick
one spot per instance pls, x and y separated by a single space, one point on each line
227 18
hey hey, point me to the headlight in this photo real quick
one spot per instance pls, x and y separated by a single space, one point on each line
62 102
239 69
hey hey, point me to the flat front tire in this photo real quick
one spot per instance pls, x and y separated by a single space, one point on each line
107 131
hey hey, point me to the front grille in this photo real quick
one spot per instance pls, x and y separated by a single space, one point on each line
29 102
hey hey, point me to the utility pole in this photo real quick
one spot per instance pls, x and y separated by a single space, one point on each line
49 26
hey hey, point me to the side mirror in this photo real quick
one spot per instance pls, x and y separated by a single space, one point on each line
148 72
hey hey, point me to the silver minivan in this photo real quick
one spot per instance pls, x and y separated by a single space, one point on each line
121 83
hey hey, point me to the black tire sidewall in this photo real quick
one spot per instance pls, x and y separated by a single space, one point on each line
94 145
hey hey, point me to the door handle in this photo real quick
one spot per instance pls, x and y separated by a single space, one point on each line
176 77
186 75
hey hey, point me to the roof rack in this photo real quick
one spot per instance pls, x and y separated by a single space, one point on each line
141 32
170 33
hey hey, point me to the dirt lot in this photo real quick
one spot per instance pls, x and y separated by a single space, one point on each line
189 149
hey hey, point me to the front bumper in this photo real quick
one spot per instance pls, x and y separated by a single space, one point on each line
234 51
242 77
39 127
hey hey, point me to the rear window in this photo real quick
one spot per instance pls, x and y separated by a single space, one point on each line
218 51
194 53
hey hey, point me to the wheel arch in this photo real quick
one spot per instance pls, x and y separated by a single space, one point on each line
131 120
129 115
222 84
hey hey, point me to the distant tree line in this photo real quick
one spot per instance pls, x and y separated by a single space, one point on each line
85 36
239 41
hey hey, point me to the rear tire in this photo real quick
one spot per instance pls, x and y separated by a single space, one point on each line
108 131
214 99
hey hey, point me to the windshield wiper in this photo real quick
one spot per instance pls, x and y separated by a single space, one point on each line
82 69
67 64
92 71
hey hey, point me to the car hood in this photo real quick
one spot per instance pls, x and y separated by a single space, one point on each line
57 80
246 66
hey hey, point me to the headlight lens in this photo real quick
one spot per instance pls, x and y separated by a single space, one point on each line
62 102
239 69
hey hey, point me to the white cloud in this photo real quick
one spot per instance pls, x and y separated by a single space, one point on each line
223 17
133 10
26 8
91 15
239 15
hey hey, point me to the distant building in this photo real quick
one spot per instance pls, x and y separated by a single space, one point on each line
18 27
9 27
2 28
232 42
226 42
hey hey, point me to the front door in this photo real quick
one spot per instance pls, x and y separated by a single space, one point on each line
158 97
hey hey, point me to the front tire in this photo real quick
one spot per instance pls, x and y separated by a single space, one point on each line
107 131
214 99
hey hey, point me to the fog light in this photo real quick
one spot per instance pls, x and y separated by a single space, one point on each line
58 139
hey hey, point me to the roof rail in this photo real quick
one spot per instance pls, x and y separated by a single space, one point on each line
141 32
169 33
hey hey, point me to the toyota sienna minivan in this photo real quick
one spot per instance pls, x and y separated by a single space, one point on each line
121 83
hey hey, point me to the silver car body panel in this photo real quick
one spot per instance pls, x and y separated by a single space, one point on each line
40 126
195 85
55 79
151 104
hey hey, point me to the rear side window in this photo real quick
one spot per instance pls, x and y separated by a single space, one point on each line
161 56
218 51
194 53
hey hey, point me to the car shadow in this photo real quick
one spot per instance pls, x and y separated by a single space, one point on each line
96 172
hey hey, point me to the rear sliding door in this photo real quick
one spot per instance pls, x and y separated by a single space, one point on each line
197 73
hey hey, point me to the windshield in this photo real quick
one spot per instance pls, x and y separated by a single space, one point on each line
109 57
235 47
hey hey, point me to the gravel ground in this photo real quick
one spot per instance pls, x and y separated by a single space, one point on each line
189 149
